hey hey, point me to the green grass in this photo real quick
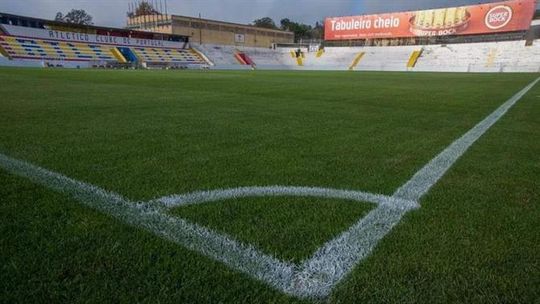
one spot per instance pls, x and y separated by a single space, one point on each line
150 134
288 228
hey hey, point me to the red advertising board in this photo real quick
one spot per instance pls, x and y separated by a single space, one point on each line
507 16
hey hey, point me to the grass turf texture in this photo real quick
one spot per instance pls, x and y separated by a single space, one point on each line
149 134
291 229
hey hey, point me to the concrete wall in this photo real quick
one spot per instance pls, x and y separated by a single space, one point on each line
204 31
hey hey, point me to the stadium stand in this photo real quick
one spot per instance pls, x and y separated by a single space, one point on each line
516 50
244 59
221 56
503 56
356 60
3 52
51 43
488 49
269 58
26 48
158 55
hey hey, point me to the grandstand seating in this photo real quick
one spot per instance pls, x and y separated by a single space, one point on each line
331 60
356 60
507 56
118 55
270 58
3 52
161 55
504 56
125 54
223 55
27 48
385 58
414 58
244 59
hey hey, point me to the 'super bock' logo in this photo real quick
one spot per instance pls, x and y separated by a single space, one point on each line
498 17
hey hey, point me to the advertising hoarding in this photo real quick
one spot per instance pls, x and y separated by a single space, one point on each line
507 16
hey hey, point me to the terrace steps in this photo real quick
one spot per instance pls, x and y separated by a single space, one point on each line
414 58
356 60
118 55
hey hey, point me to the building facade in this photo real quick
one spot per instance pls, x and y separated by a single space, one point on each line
205 31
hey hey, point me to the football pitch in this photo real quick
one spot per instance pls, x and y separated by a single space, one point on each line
269 187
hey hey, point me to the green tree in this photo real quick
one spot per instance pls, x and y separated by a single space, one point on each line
265 22
75 16
301 31
318 30
146 8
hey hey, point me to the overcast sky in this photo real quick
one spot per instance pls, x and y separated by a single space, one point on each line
112 12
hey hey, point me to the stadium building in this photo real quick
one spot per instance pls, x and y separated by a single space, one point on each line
205 31
493 37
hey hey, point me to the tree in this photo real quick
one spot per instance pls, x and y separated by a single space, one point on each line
318 30
75 16
303 31
59 17
265 22
146 8
285 24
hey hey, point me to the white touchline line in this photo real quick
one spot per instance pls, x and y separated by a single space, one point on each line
337 258
219 247
428 176
317 276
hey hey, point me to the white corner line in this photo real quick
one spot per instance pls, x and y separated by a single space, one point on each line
201 197
315 277
244 258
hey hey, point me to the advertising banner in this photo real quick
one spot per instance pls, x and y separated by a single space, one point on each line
507 16
28 32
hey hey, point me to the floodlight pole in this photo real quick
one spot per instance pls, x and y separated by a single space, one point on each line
129 14
161 14
200 29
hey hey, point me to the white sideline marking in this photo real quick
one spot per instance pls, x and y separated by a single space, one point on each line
315 277
219 247
428 176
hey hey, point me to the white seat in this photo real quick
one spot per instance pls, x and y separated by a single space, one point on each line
506 56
